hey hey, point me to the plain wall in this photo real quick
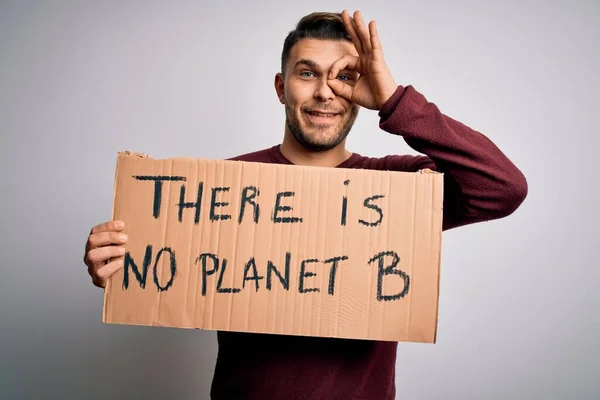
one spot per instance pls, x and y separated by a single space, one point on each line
80 81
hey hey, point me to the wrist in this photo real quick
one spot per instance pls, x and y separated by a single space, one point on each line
387 91
392 103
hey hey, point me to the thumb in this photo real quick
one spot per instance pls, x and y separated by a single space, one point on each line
340 88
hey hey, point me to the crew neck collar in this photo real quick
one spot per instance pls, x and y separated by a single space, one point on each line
279 158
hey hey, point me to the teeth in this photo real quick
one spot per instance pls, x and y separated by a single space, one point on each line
321 114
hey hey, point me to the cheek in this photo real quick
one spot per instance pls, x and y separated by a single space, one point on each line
351 108
299 93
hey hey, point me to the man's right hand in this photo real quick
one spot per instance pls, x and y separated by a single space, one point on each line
104 244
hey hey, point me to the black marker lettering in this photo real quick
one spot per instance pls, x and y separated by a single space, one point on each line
173 265
140 277
220 282
197 205
205 272
214 204
389 270
304 274
250 200
158 180
284 281
279 207
333 270
345 204
255 277
367 204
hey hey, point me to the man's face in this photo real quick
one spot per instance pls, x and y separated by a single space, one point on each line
316 117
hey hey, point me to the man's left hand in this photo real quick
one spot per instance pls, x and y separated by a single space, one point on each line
375 84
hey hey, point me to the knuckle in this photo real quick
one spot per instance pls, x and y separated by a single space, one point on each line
96 229
92 240
96 255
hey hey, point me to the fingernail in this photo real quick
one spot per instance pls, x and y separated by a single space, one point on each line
121 250
119 224
123 236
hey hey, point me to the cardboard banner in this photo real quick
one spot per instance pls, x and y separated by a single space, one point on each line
281 249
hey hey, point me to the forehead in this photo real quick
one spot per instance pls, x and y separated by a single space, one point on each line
322 52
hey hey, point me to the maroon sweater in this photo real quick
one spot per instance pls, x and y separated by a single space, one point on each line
480 184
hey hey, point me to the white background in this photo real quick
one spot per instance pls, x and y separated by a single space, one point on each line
80 81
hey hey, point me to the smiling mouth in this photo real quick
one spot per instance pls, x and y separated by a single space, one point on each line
321 118
321 114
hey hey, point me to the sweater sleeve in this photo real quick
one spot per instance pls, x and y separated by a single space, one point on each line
480 182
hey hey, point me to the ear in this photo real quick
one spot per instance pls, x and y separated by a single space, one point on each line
280 87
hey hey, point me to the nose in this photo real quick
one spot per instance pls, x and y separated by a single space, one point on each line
323 92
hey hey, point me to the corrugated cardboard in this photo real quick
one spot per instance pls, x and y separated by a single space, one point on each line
283 249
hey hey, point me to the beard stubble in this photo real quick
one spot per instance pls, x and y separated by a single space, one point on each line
311 142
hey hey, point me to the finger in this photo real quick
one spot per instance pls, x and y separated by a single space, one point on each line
375 42
363 32
103 254
106 271
108 226
349 24
347 61
106 238
377 52
341 89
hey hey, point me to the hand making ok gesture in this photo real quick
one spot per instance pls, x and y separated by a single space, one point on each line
375 84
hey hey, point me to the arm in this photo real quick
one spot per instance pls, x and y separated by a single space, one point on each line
480 184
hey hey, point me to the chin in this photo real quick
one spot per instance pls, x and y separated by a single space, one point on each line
315 136
317 142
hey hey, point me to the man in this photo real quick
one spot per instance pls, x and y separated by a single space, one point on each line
333 64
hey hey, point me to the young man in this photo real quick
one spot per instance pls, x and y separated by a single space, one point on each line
333 64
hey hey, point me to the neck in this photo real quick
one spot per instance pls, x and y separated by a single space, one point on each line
298 155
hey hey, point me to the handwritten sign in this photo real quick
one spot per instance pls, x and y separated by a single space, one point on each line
266 248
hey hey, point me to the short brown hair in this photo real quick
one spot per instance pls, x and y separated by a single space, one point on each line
317 25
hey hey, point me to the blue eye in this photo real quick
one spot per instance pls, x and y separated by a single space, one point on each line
344 77
303 73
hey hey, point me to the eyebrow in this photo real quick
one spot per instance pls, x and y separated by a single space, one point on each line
307 62
313 65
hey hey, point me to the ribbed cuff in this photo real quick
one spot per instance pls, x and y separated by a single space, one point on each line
391 104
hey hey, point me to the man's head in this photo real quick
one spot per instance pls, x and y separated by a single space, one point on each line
316 118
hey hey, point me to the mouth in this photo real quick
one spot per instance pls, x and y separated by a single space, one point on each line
321 117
